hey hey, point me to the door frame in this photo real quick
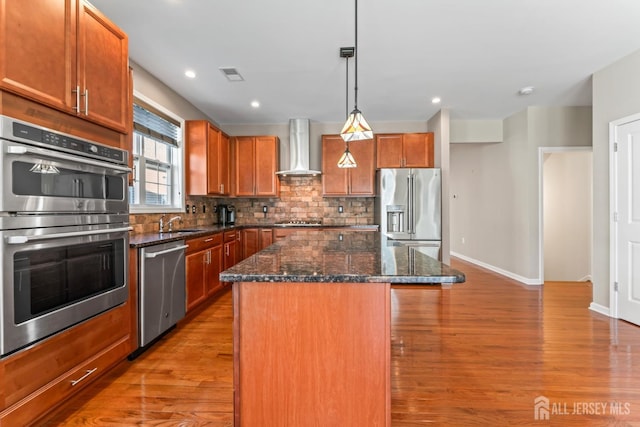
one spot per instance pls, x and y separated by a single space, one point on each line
613 198
541 152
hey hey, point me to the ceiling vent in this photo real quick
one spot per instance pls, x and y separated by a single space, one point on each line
231 74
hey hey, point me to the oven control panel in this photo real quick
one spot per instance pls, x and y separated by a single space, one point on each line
14 129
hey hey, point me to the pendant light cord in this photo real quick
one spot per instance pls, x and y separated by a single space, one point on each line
346 110
356 60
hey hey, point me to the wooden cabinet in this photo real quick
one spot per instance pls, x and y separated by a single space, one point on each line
40 377
207 159
255 166
203 263
404 150
255 239
67 55
359 181
230 253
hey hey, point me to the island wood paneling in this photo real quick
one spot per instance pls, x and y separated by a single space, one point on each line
310 354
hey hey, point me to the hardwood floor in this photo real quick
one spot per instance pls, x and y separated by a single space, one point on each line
478 353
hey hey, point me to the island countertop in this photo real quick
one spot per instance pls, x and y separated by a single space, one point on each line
341 256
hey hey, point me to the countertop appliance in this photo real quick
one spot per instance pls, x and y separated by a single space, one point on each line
408 207
226 214
162 292
64 231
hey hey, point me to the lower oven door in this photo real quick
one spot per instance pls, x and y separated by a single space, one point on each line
55 277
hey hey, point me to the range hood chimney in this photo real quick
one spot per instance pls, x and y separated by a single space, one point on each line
298 149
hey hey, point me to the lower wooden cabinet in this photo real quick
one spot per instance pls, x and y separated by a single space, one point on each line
35 380
204 262
255 239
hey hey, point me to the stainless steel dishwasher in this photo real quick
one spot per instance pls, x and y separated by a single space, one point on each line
161 298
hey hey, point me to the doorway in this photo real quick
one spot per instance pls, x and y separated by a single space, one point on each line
565 213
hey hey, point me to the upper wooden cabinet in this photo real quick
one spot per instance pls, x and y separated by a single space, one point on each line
67 55
404 150
255 166
358 181
207 159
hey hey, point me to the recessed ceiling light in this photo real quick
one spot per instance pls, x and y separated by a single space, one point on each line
255 104
527 90
190 73
435 100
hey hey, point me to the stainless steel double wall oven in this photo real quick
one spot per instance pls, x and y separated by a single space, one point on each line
64 231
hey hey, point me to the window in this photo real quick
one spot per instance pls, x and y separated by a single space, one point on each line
157 160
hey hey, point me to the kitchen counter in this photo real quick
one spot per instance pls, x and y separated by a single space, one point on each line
312 326
341 256
148 239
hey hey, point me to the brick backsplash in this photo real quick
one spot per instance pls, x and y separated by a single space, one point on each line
300 198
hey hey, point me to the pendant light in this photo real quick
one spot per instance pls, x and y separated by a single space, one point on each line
356 128
347 160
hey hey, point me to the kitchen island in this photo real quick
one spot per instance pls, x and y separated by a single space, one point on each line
312 327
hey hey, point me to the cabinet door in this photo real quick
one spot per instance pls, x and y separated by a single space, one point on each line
244 165
196 272
103 63
389 151
250 242
362 178
230 258
196 156
216 262
266 238
266 166
334 179
223 165
37 50
213 157
418 150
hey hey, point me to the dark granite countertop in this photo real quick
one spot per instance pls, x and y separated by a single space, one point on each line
149 239
341 256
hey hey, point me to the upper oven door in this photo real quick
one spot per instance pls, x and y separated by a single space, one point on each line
46 181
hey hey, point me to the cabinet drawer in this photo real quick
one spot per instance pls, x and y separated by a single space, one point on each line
39 403
205 242
229 235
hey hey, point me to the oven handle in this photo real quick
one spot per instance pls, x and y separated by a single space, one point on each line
13 149
19 240
166 251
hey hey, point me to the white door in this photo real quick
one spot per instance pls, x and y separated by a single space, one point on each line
626 208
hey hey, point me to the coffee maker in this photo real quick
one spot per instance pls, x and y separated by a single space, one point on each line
226 214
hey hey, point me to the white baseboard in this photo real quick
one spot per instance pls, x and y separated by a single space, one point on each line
586 278
600 309
521 279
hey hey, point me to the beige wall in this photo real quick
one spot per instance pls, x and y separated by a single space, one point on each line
567 215
494 189
439 124
616 94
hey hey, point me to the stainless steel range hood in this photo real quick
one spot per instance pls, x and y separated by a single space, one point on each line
298 150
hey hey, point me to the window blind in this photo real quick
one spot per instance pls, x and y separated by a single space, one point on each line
155 126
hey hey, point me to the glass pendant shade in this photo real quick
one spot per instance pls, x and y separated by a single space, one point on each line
356 128
347 160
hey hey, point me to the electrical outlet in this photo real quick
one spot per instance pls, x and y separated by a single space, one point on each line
194 209
204 208
265 209
340 209
187 210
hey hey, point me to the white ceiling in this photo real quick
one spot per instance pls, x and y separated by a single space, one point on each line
474 54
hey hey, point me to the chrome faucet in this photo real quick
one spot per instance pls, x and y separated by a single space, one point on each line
161 224
170 223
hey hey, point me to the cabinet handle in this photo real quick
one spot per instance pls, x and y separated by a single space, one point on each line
208 257
77 92
86 374
226 250
86 102
221 188
208 240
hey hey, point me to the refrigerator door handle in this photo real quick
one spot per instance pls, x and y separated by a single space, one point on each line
410 224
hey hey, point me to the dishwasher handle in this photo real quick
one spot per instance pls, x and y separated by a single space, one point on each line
166 251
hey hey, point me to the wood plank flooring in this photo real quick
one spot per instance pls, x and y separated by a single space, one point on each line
478 353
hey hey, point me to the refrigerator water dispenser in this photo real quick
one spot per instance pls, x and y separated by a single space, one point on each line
395 219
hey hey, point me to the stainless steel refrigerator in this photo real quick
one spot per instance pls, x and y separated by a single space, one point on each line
408 207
